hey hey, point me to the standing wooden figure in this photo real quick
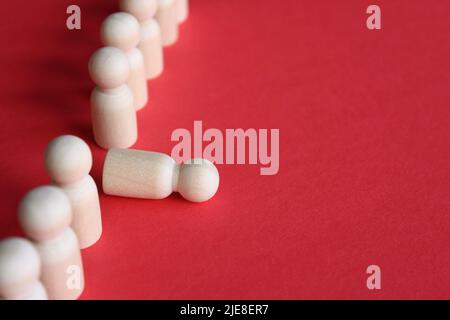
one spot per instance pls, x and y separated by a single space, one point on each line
45 216
20 269
112 103
167 17
122 30
182 10
150 38
68 160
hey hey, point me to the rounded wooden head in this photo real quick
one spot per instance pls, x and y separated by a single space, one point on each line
109 67
198 180
141 9
68 159
20 266
44 213
120 30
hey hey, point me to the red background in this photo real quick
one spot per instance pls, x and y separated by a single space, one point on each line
364 125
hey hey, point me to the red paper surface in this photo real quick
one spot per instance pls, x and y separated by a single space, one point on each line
364 122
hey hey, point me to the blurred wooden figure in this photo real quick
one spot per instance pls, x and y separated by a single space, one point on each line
20 269
150 34
122 30
167 17
182 10
45 216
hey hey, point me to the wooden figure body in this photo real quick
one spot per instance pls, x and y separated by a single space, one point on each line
167 17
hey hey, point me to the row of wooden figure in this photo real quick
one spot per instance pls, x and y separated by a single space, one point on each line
133 42
63 217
